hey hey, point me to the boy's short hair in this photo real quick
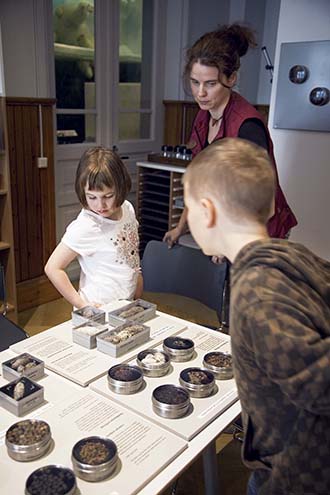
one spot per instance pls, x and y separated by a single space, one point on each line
238 173
98 168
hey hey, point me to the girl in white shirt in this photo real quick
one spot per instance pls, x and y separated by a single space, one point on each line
104 236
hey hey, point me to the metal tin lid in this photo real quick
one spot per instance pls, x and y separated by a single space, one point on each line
94 458
125 378
171 396
200 382
125 373
28 439
178 345
52 479
220 363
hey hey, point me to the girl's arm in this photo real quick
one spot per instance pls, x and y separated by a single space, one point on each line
55 271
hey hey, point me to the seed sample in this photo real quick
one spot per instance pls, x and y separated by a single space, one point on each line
94 450
125 379
27 432
197 376
25 361
178 348
120 336
178 343
170 401
134 310
170 394
219 359
20 388
220 363
28 440
51 480
124 373
94 458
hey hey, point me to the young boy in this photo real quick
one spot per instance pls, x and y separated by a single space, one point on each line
280 319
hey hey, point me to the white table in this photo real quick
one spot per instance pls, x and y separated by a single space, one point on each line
202 443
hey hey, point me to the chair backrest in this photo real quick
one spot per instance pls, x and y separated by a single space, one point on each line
184 271
3 296
10 333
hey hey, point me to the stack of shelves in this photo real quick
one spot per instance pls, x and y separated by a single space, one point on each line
7 262
159 200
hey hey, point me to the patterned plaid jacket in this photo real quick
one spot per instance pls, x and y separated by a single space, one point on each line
280 329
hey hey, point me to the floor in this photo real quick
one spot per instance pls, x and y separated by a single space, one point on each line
233 474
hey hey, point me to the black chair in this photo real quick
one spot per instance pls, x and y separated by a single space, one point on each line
3 295
184 271
10 333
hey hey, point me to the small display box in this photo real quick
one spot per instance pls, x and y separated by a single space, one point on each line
86 334
87 314
122 339
21 396
138 311
23 365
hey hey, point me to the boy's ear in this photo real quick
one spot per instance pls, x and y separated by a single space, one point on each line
210 213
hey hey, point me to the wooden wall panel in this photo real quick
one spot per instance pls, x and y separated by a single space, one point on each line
33 192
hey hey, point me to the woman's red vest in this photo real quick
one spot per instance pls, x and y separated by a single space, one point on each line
236 112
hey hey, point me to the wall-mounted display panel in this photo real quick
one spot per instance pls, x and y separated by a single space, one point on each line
303 87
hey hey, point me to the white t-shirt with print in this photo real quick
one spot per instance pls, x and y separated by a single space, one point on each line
108 254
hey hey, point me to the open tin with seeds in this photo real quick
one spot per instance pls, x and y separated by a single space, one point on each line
220 363
178 348
138 311
170 401
28 439
125 379
199 382
23 365
52 479
86 333
153 362
94 458
21 396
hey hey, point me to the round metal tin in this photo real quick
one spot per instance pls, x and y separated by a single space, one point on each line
170 401
220 363
51 479
153 362
178 348
28 439
199 382
94 458
125 379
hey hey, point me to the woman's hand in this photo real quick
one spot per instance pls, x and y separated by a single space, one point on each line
218 259
172 236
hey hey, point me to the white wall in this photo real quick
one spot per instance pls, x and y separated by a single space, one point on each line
187 20
303 156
